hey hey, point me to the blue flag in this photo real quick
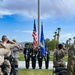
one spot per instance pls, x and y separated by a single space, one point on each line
42 43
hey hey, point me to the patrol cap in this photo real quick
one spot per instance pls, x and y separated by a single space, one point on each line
3 37
14 40
60 46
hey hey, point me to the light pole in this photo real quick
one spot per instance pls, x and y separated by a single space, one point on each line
38 22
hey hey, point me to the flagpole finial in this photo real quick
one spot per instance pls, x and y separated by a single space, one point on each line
41 23
34 25
34 20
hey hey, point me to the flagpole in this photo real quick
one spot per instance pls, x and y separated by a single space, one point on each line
38 22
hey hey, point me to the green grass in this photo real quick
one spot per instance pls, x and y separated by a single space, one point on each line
21 58
34 72
66 58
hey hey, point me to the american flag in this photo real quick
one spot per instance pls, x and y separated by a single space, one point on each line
34 34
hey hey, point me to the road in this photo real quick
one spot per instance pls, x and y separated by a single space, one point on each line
22 65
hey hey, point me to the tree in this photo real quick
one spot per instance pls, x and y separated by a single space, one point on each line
69 40
47 40
67 43
52 44
28 43
74 39
58 35
55 34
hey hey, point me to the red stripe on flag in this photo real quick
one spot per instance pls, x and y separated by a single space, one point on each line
34 39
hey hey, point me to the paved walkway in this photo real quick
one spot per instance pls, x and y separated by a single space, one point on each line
22 65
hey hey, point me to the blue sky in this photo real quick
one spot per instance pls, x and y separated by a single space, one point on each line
17 18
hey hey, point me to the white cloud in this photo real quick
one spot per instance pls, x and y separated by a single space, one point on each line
64 37
0 36
12 37
68 35
24 31
28 8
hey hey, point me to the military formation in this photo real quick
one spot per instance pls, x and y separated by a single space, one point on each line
35 55
9 56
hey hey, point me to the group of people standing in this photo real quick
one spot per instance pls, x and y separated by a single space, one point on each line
59 62
35 55
58 58
8 56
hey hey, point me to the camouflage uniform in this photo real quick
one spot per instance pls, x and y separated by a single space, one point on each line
58 59
4 52
6 61
71 60
14 60
1 61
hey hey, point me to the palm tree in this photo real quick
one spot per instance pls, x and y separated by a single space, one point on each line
58 35
69 40
67 44
74 39
55 34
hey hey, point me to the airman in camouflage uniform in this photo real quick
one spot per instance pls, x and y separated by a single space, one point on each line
5 52
58 59
71 60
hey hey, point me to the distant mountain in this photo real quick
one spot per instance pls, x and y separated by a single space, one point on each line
22 43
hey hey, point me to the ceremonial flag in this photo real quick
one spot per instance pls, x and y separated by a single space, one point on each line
42 43
34 34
